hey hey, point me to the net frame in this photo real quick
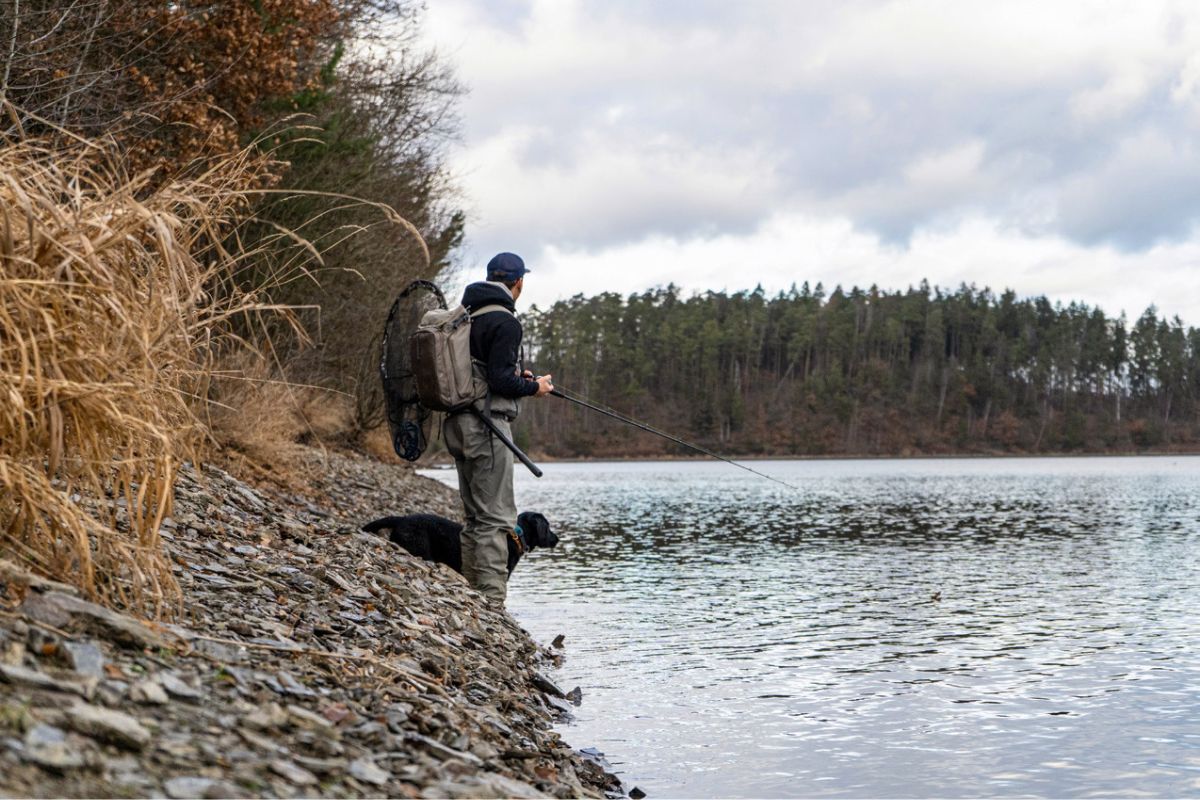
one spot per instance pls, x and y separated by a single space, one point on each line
409 422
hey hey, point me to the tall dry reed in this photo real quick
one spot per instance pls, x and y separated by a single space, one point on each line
116 295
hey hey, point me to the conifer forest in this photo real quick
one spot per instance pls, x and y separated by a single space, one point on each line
870 372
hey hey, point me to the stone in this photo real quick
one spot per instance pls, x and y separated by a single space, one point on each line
218 651
249 496
108 725
336 621
262 743
320 766
636 794
188 786
22 676
559 705
444 752
367 771
292 686
266 717
85 658
292 772
47 746
575 696
547 685
13 573
301 717
73 614
148 692
487 785
177 687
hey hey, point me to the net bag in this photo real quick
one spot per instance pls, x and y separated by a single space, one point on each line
409 422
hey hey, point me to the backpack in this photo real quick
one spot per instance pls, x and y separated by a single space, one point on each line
440 355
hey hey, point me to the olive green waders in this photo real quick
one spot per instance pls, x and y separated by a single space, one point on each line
485 481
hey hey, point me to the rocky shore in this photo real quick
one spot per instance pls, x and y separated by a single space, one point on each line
309 659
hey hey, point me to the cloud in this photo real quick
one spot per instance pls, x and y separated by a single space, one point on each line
794 248
599 127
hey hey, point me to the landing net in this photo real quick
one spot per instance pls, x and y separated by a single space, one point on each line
408 421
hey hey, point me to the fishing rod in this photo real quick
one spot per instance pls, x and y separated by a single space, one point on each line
608 412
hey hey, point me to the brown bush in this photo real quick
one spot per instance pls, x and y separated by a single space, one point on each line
169 82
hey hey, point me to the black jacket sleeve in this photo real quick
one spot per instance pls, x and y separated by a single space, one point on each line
503 366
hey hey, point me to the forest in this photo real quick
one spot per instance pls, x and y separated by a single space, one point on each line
924 370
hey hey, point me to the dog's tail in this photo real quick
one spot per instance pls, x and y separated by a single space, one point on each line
380 524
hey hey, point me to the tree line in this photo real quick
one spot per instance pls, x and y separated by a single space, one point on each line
863 371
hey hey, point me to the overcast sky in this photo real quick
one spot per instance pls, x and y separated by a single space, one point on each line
1046 146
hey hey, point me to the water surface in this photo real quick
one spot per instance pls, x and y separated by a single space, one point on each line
953 628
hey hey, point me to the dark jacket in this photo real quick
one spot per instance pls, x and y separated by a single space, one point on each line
496 340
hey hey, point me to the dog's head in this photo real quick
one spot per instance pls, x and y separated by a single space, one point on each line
537 530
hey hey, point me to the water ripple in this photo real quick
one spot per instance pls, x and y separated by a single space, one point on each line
901 628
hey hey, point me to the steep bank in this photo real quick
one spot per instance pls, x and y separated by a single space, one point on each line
309 659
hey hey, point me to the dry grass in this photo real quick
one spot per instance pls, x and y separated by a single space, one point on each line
261 418
115 298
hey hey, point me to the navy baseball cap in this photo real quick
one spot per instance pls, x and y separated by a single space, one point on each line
506 267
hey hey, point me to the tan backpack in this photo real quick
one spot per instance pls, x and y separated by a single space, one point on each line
440 355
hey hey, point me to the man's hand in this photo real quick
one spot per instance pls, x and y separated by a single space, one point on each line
545 386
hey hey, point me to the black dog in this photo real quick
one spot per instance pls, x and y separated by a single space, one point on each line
436 538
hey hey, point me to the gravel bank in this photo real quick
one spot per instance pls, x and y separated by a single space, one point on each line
309 660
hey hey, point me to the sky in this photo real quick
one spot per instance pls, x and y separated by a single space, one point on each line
618 145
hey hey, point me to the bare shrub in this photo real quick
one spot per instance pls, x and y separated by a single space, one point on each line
380 120
170 82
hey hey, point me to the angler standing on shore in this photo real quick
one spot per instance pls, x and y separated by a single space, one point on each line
485 468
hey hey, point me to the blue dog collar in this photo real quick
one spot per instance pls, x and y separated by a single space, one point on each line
518 536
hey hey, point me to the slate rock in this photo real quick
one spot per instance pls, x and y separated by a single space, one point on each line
148 692
292 772
74 614
177 687
22 676
367 771
188 786
547 685
108 725
301 717
292 686
47 746
85 658
487 785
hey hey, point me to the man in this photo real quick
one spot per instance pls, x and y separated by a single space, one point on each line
485 466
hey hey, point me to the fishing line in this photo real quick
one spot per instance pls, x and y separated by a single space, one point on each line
567 395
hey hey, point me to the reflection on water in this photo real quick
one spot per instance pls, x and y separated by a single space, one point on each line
899 628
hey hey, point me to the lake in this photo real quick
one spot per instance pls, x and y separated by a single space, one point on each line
893 628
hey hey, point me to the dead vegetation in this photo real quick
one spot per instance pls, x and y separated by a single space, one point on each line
115 300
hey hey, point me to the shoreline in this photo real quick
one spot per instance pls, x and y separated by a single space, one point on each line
307 659
439 464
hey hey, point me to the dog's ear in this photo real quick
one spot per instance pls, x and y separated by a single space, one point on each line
545 536
384 526
377 525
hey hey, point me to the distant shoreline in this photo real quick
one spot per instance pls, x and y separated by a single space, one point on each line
446 462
